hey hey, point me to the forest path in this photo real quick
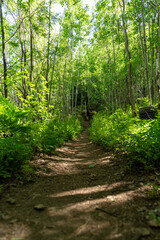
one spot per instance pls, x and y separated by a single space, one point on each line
87 194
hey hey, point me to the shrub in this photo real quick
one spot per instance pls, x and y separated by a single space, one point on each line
110 131
21 135
120 131
12 119
143 146
13 155
56 132
14 130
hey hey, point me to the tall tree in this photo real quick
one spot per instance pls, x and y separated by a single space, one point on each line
132 101
31 42
48 51
3 53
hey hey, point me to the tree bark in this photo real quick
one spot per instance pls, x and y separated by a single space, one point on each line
145 49
3 53
53 67
132 101
31 45
152 53
158 52
64 85
23 57
86 103
48 53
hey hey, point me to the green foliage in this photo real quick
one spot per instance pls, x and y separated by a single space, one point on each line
110 131
91 166
120 131
56 132
144 144
13 155
11 119
17 239
14 149
155 192
144 101
21 135
154 214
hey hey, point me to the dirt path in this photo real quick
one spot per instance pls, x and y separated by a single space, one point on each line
87 194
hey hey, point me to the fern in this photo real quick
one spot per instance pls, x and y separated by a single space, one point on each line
12 119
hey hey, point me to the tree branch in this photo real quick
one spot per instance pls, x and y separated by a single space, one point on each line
154 6
20 25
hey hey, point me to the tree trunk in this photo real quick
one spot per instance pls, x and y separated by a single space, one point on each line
132 101
48 53
3 53
145 49
72 81
158 52
114 72
23 57
64 86
152 52
53 67
86 103
31 45
76 97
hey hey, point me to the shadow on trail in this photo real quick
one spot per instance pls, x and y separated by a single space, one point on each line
87 194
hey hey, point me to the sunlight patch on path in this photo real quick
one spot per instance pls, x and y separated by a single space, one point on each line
89 190
92 204
89 205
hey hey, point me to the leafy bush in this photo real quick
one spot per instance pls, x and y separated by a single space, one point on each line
143 146
120 131
14 130
110 131
13 155
12 119
56 132
23 133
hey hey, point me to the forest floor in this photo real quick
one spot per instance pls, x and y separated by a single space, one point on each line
81 192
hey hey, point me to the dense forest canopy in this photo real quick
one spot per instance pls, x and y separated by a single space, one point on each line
53 56
62 58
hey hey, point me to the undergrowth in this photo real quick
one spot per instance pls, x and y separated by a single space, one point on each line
56 132
22 134
139 139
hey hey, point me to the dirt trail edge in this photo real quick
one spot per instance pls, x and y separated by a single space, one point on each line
81 192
